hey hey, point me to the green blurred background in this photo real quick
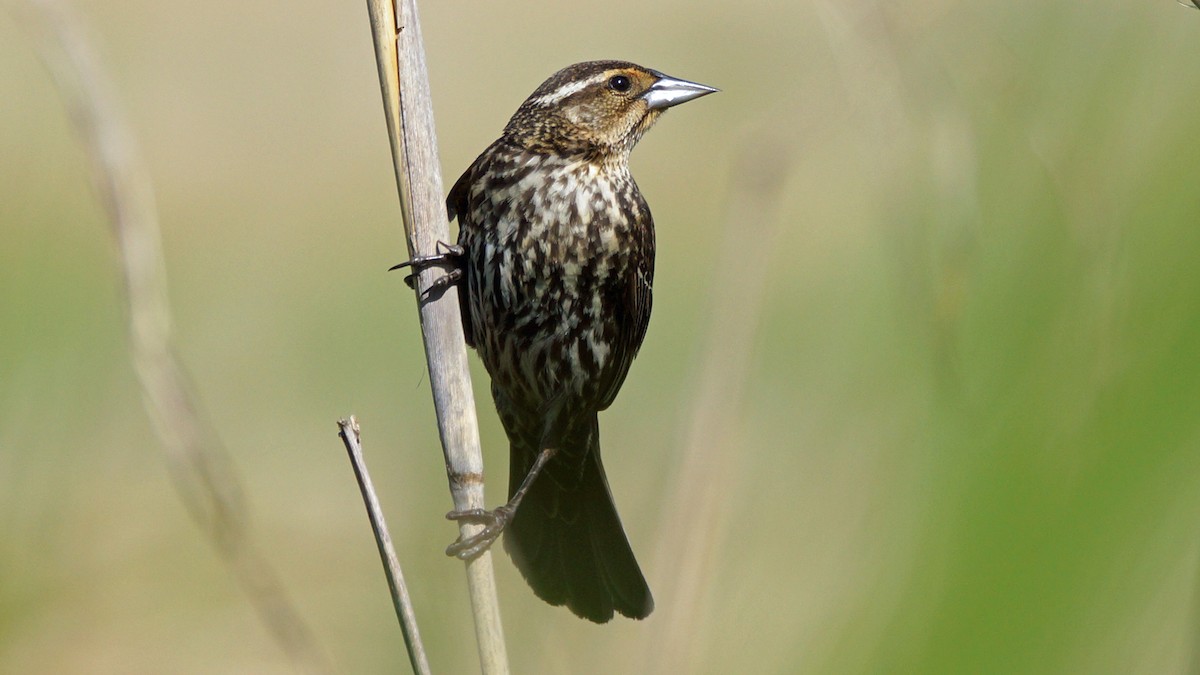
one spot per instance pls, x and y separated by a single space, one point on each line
930 406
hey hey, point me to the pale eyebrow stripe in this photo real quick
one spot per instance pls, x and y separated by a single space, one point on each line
568 89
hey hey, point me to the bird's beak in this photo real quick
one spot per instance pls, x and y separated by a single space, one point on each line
668 91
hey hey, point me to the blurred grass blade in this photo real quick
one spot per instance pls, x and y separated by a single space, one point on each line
197 462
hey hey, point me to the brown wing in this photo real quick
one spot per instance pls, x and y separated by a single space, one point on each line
457 207
632 303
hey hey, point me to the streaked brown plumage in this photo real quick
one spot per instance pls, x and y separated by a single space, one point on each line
558 261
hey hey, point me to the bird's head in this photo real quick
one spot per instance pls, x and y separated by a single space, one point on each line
598 109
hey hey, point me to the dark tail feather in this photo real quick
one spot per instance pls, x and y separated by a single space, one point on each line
567 539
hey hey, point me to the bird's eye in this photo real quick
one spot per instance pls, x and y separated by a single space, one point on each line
619 83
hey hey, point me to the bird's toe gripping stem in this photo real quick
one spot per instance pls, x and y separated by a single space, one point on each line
493 522
448 254
497 519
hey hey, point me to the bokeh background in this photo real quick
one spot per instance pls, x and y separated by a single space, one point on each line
921 393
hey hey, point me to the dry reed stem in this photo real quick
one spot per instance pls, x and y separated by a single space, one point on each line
351 436
404 82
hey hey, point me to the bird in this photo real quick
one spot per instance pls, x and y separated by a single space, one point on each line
554 265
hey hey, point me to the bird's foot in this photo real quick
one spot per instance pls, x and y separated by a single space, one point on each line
448 254
493 522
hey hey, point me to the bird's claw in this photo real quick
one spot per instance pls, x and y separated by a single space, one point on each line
448 254
439 284
493 523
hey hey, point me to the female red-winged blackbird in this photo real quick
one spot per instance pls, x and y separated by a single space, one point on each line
556 254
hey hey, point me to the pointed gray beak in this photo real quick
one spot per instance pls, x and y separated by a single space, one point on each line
668 91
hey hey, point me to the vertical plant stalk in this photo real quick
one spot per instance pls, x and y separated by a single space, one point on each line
196 460
404 82
349 432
